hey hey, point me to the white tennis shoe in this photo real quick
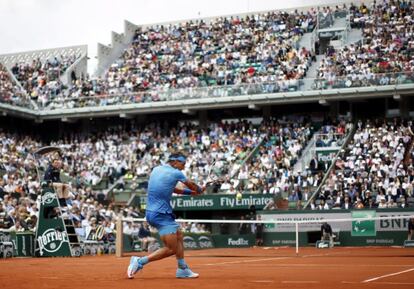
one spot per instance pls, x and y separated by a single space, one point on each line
134 267
186 273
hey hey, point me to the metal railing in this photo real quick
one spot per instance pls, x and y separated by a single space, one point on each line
121 96
328 139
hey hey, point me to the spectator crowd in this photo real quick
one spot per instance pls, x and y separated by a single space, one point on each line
375 171
223 56
383 57
10 92
256 53
114 155
41 79
228 56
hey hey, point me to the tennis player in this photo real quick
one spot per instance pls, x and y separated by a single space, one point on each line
162 184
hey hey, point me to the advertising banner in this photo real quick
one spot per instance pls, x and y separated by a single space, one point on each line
219 202
325 154
234 241
318 218
365 227
197 241
51 236
382 232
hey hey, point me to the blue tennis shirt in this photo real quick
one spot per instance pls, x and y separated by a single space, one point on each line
162 182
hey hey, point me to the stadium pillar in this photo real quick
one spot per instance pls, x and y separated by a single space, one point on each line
141 118
266 112
86 124
351 111
404 106
334 109
202 118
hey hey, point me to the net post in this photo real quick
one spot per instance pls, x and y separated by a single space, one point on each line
119 236
297 237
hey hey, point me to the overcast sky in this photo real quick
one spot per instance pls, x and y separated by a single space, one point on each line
39 24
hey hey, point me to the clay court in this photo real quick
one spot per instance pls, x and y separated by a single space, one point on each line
224 268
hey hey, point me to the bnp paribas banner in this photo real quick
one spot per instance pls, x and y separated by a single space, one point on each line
356 227
363 227
219 202
314 220
358 231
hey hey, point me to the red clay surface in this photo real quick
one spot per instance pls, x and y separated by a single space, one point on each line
335 268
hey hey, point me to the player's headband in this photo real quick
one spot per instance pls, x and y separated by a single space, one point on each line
179 158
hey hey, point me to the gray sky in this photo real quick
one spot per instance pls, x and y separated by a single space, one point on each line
39 24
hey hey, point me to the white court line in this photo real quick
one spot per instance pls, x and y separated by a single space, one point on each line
300 282
335 266
266 259
387 275
388 283
246 261
263 281
394 283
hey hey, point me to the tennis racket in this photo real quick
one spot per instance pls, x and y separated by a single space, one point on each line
210 169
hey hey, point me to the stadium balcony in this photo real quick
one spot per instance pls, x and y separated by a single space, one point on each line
383 56
126 84
45 73
189 100
204 60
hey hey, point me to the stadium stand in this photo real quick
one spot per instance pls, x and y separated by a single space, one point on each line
44 74
93 163
261 53
256 49
374 171
199 54
249 159
383 57
269 152
10 92
41 79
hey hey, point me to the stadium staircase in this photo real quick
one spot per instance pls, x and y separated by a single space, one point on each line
351 35
306 41
348 138
312 73
354 36
305 157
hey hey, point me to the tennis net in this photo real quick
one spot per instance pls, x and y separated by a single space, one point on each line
321 230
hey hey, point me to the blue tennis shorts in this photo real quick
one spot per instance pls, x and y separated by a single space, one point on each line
164 223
